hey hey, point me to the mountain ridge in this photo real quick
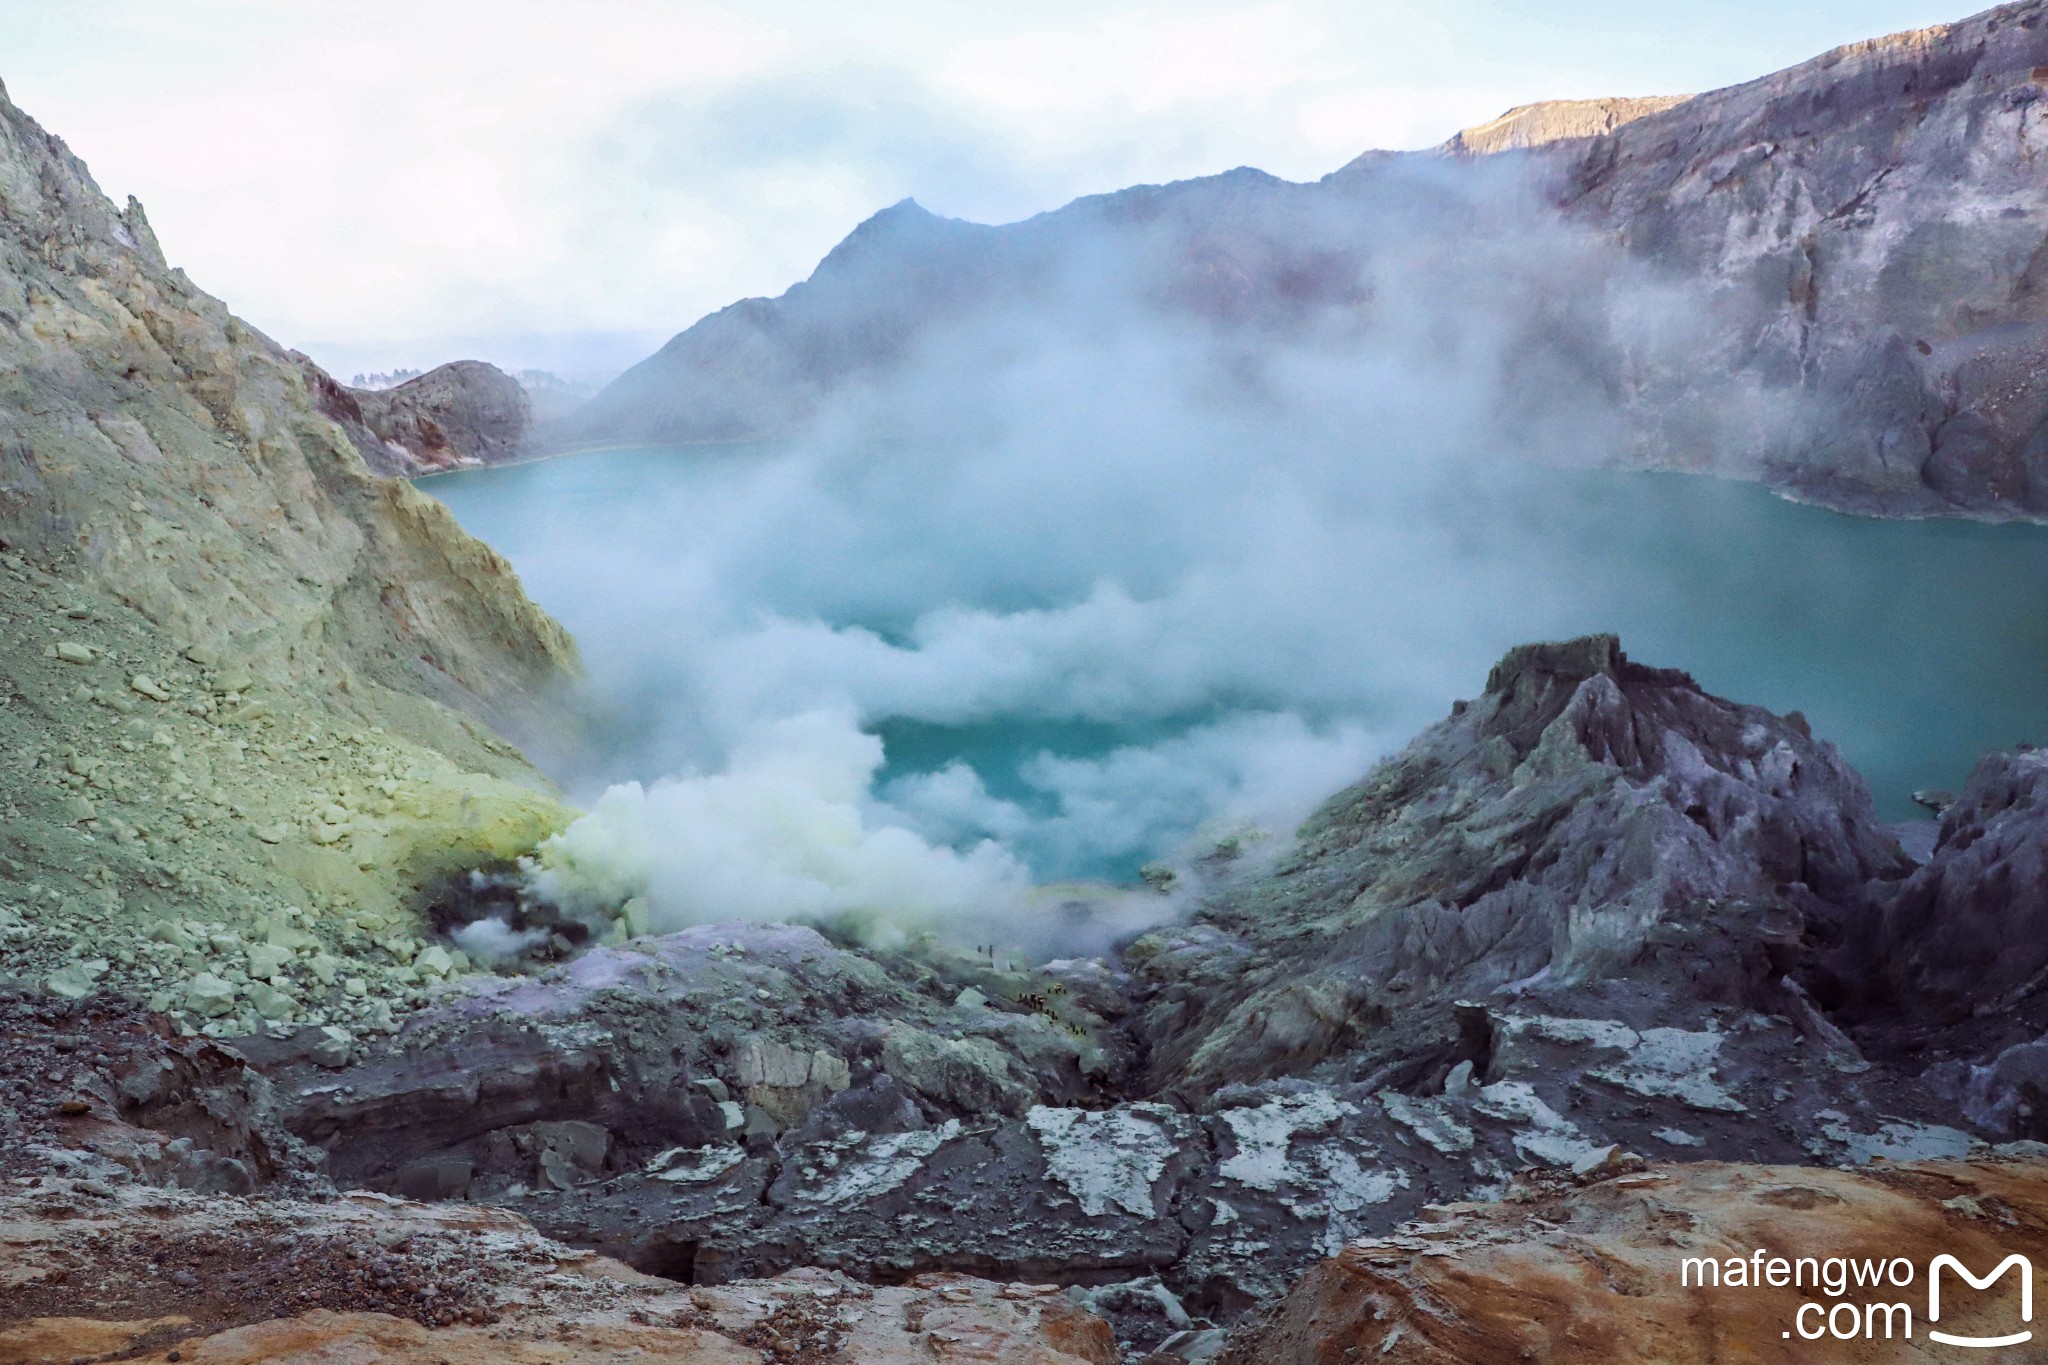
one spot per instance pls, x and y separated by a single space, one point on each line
1814 217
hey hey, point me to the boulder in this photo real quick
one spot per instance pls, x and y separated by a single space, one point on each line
1612 1270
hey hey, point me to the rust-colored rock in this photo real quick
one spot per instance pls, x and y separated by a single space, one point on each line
126 1271
462 413
1565 1275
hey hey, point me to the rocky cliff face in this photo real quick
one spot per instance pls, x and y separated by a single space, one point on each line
1854 243
1876 218
247 688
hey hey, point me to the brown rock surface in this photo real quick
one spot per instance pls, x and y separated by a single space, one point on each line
1567 1274
123 1271
1538 125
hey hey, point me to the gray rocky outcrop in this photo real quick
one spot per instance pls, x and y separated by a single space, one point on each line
1967 933
1585 819
1950 983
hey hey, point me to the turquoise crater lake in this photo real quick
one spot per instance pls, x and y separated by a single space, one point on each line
1913 646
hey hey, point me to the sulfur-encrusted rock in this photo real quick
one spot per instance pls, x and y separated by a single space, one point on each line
970 1075
209 996
225 619
76 980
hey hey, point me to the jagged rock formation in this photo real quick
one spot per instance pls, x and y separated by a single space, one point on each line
462 413
1971 927
1585 819
1857 242
1596 1273
1594 913
245 684
1950 981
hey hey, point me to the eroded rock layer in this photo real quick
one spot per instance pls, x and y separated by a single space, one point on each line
98 1271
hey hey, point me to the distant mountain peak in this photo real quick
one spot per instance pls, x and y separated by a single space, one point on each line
905 207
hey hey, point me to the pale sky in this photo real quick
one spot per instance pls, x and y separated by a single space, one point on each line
565 183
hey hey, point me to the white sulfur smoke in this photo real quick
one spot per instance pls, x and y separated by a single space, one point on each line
492 941
786 832
1107 577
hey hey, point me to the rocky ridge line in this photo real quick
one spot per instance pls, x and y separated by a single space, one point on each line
1853 248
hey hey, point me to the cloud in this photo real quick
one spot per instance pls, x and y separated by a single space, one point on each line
463 175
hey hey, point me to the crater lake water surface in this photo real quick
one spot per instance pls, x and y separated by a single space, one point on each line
1912 645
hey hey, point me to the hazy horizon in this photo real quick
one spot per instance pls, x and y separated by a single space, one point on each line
388 186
